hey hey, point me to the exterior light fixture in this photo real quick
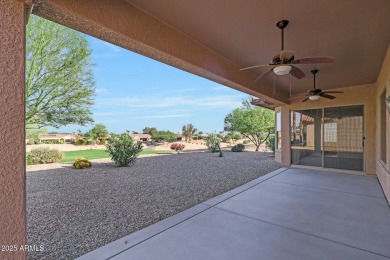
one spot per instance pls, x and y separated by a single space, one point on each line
315 97
282 70
387 101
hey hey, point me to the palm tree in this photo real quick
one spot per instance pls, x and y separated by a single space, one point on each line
188 131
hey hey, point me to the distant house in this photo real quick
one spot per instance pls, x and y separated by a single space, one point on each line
56 138
141 137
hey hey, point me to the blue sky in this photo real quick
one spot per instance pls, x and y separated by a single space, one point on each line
133 91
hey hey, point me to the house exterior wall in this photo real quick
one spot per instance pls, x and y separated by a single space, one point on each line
354 95
382 170
12 137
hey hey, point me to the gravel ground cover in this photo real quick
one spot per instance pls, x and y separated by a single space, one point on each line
71 212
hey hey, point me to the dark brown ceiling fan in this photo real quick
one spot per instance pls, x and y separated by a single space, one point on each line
282 63
316 93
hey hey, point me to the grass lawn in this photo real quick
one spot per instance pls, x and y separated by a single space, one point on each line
70 156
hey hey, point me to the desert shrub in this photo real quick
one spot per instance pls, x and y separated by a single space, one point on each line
246 141
270 143
30 142
236 137
80 142
82 163
212 143
177 147
238 148
89 142
227 138
123 150
43 155
102 141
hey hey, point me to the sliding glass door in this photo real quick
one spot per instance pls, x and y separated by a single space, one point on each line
343 138
306 132
328 137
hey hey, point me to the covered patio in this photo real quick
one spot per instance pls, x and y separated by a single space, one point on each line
286 214
337 215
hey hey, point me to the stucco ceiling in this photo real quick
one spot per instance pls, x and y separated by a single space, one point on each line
355 32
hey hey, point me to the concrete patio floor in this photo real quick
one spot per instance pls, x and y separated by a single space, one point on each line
286 214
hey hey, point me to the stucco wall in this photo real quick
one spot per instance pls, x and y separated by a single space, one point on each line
12 170
354 95
382 170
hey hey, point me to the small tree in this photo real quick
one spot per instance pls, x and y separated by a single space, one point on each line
150 131
59 77
123 150
98 133
255 123
188 131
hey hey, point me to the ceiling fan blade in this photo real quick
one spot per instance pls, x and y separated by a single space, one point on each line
332 92
298 73
327 96
264 74
256 66
306 99
286 55
311 60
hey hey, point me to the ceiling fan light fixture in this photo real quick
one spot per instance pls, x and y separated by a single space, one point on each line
282 70
315 97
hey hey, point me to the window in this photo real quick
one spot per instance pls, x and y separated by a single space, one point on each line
382 127
278 130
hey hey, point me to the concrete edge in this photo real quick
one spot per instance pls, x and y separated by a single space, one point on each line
131 240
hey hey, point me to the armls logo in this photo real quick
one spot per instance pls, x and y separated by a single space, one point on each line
31 248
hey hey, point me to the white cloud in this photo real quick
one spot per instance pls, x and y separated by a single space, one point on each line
220 88
230 101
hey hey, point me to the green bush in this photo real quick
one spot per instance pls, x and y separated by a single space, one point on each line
246 141
123 150
270 143
213 142
238 148
82 163
80 142
43 155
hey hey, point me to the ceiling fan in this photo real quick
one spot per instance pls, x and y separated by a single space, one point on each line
282 62
316 93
